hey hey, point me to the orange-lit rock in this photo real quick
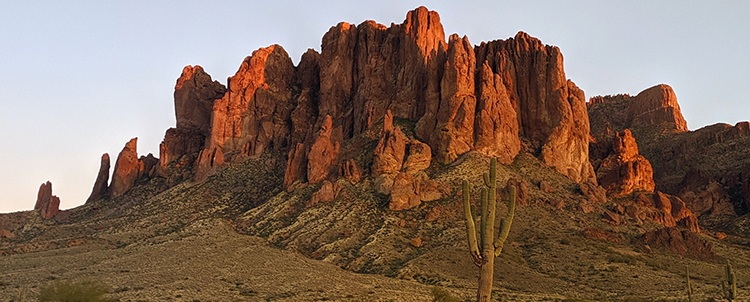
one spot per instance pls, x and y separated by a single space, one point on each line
254 112
496 123
389 154
404 193
323 153
624 170
664 209
680 242
454 130
100 185
126 171
419 158
550 109
656 105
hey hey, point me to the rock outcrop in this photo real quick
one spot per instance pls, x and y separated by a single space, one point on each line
664 209
624 170
701 166
551 110
102 179
127 169
388 156
194 96
254 112
47 204
323 154
680 242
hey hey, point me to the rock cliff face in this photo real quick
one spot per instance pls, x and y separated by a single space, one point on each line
47 204
462 98
550 110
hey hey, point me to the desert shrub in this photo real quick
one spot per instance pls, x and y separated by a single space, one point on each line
439 294
83 291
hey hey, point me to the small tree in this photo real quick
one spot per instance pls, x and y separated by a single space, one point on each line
484 257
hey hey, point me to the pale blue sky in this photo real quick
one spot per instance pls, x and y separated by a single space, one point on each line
80 78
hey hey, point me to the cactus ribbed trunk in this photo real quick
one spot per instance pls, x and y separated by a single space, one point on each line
484 254
484 293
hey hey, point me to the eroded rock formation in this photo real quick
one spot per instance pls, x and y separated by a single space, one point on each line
127 169
47 204
102 179
624 170
323 154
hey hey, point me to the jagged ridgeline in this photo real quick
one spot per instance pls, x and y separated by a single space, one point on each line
495 98
356 157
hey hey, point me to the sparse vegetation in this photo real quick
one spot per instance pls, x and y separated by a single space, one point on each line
83 291
440 294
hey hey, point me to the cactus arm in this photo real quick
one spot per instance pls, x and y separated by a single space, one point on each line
483 224
506 222
486 179
470 226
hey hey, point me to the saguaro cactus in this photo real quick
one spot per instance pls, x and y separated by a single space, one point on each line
491 247
689 287
729 286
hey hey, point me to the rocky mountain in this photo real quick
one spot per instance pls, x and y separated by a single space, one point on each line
354 157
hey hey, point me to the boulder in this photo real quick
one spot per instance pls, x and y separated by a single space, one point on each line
419 158
327 192
593 192
100 185
665 209
208 162
404 193
296 165
680 242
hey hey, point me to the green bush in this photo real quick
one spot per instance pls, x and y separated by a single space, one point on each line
65 291
439 294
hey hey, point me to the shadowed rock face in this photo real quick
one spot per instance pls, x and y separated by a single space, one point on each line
194 96
100 185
